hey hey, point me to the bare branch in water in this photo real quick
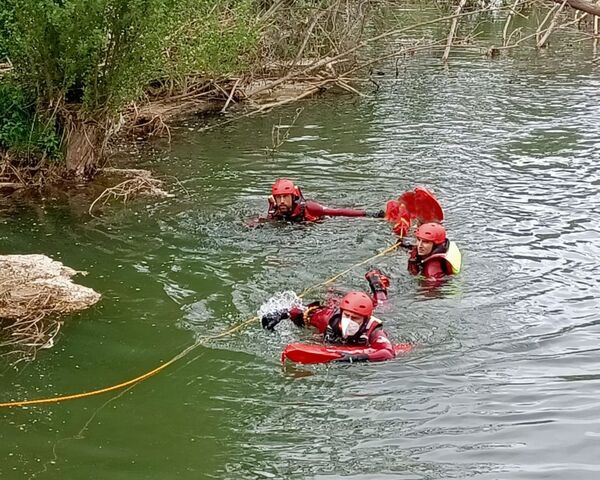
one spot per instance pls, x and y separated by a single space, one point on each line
142 183
452 30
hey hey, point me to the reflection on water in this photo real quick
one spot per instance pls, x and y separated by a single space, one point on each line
504 382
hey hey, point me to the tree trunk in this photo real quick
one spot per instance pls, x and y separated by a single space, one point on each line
84 146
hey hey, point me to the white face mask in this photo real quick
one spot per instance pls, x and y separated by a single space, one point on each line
349 326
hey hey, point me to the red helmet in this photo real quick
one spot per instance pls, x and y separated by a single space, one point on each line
432 232
357 302
283 186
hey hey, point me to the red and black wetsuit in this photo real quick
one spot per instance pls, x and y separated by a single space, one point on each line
433 265
327 320
307 210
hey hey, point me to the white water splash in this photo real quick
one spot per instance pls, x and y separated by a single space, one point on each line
280 301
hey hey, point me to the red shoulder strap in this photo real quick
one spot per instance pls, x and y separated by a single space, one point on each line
373 324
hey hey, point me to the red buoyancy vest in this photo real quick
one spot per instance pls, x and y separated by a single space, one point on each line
365 336
321 317
372 336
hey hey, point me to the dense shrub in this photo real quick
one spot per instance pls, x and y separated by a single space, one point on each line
6 18
104 53
22 130
96 56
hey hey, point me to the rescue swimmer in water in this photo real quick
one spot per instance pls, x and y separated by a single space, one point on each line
288 203
348 321
434 255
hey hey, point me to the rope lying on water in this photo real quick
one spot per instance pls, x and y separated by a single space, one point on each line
183 353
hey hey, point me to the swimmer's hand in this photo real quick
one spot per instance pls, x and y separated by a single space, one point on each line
377 214
346 357
271 320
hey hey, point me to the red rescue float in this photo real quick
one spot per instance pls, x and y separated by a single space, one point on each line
309 353
420 204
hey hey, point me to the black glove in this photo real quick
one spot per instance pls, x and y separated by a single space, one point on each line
405 243
379 214
346 357
270 320
297 316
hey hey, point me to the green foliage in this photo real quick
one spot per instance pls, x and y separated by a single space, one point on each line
98 53
6 20
104 53
21 130
215 38
96 56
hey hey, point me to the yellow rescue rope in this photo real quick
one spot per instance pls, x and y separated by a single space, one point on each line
180 355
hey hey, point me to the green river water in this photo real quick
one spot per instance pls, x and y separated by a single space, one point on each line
504 383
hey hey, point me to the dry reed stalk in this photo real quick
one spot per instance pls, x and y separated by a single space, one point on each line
596 31
230 97
390 33
540 27
511 14
559 27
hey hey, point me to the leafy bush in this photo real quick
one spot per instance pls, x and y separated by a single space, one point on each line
87 59
99 53
6 18
215 38
21 130
104 53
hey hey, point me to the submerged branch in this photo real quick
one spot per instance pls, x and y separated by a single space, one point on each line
559 27
390 33
140 183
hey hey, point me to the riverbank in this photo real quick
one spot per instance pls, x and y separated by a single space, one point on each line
280 54
60 110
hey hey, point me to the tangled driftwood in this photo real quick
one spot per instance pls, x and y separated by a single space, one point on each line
139 183
34 291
